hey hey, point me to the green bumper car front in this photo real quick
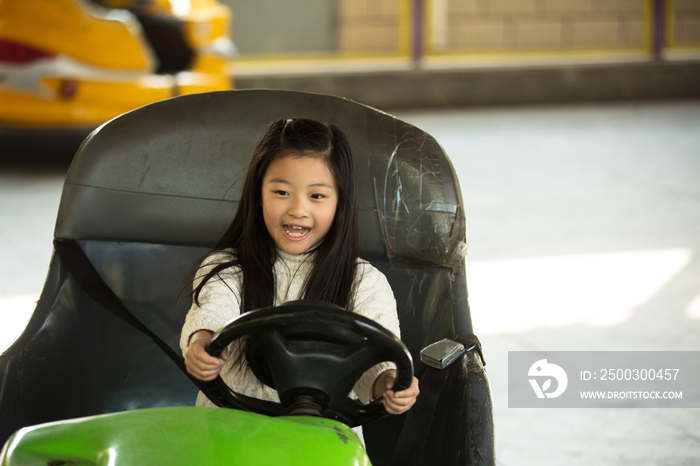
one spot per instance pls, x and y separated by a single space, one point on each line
185 435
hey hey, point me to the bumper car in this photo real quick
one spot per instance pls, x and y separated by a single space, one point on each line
74 64
95 378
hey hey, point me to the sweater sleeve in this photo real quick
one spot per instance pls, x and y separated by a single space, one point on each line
219 299
374 299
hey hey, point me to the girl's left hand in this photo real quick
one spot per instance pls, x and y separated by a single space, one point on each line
394 402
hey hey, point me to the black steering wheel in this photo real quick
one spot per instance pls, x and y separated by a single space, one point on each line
316 352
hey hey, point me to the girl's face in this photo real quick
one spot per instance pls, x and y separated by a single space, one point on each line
299 198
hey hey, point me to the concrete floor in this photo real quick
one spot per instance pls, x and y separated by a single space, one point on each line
584 231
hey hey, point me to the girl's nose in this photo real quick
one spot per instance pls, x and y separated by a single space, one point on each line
298 209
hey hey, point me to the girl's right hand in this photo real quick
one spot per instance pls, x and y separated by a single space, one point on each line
199 363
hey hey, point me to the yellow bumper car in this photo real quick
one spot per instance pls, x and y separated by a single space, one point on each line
68 64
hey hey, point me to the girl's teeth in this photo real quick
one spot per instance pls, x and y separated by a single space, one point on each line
294 231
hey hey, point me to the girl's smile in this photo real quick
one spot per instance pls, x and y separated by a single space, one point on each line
297 232
299 198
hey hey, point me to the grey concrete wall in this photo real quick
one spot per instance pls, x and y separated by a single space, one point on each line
496 86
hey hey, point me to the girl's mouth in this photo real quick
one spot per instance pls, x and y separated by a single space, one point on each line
296 231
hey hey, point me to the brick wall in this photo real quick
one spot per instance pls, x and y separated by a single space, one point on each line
543 24
686 23
464 25
368 25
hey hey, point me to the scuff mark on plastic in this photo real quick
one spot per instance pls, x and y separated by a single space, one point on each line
382 225
409 298
19 372
419 283
437 320
2 386
388 169
341 435
419 215
143 177
458 254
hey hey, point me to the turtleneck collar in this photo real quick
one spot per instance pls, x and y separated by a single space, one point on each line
292 258
296 258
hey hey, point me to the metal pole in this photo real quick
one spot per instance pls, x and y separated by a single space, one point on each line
659 31
418 32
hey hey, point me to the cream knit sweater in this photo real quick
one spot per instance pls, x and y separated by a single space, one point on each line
220 302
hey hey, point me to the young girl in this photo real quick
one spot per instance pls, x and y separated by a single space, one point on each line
294 236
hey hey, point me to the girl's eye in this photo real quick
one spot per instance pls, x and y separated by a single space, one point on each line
317 196
281 193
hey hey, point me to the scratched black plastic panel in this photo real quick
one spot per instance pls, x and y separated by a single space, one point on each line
171 172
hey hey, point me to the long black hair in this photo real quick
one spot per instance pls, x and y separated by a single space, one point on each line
253 249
